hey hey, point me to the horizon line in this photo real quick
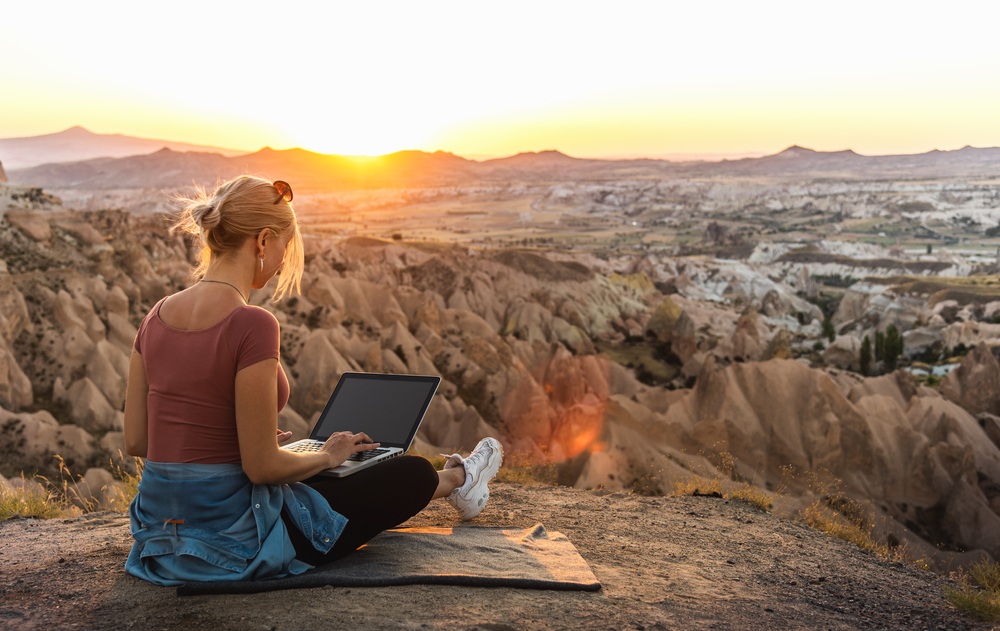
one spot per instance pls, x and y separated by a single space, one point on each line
700 156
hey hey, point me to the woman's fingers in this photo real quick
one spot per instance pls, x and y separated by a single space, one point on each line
342 445
362 442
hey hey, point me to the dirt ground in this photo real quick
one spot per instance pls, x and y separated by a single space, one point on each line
665 563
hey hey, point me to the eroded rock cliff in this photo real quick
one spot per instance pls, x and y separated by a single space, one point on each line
557 356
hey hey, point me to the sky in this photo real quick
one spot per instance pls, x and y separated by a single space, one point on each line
591 79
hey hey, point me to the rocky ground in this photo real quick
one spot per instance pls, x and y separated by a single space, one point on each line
664 563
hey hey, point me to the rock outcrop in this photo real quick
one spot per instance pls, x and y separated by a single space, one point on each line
913 455
514 336
843 352
975 384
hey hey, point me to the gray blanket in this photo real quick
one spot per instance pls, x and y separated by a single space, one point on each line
477 557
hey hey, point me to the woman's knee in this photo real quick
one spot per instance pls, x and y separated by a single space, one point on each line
419 469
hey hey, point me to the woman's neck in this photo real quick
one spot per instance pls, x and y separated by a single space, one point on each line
235 270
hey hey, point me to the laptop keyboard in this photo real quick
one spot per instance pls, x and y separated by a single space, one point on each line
305 447
315 445
362 456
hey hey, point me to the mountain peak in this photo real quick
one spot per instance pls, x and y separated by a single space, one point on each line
546 153
547 156
76 130
796 151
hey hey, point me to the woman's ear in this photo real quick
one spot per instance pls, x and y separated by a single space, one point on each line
262 241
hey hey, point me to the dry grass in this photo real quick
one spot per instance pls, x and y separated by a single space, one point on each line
833 513
728 489
723 481
851 520
65 490
523 470
980 592
821 517
754 496
123 495
30 500
516 469
694 483
42 498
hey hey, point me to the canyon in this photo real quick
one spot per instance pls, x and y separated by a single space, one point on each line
627 333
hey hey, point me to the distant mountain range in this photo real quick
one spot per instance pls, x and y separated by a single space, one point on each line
171 168
77 143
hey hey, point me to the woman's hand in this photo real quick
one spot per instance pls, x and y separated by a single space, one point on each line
343 445
283 436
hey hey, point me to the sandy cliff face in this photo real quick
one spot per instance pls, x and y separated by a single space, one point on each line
515 335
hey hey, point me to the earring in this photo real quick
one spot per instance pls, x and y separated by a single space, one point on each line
262 263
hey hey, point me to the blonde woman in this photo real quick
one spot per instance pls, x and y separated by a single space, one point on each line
218 499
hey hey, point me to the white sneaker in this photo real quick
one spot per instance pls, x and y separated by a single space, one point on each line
480 468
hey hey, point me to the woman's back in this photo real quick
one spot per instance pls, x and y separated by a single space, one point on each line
191 374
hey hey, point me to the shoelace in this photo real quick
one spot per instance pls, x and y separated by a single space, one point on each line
452 459
476 456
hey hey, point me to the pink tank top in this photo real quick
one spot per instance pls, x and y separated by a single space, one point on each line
192 382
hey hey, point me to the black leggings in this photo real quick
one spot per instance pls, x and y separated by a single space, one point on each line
376 499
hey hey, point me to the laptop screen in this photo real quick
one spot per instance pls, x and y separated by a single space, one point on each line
388 408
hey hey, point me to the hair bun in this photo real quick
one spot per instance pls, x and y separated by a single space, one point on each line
206 215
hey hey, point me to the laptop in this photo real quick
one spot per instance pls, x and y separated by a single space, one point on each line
389 408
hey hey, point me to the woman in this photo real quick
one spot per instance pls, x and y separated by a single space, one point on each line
218 499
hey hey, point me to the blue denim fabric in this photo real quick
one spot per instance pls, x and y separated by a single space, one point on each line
231 531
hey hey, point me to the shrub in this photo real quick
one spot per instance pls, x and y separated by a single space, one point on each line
828 331
865 356
892 347
979 595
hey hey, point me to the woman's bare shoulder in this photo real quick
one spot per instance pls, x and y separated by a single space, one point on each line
191 310
255 316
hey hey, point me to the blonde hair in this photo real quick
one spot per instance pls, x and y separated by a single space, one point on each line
239 210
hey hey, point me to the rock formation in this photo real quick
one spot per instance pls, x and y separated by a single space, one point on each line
975 384
515 337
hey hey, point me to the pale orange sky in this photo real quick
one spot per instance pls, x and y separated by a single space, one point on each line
629 79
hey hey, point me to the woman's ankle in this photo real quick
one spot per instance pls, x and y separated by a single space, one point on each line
449 480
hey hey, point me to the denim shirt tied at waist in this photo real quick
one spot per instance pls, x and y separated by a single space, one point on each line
209 522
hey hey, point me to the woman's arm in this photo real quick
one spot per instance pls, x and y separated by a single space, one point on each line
257 424
136 430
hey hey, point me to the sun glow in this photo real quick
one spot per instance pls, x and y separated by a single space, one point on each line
645 78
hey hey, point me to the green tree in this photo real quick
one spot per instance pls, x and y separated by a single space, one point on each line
828 331
879 346
865 356
892 347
